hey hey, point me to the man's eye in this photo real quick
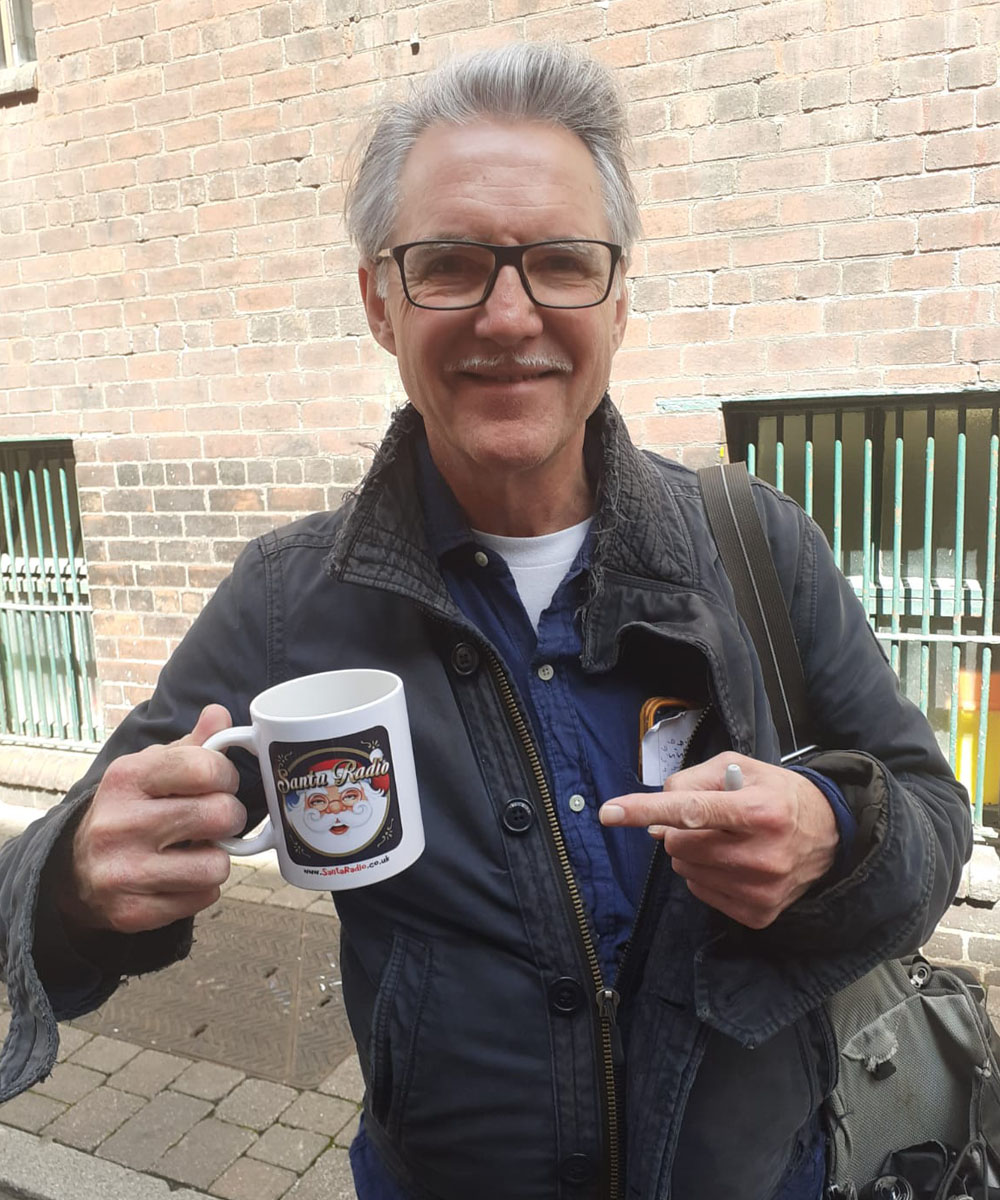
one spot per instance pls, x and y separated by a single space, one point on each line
564 263
448 264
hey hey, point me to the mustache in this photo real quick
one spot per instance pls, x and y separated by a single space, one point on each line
352 817
510 363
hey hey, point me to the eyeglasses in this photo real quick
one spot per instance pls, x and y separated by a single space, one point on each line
570 273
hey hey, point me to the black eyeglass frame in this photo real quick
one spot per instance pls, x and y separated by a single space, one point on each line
503 256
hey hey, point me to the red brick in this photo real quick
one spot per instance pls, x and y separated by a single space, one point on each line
954 309
987 186
831 88
734 66
689 39
685 183
252 60
971 148
731 287
221 97
191 72
682 328
197 132
689 254
927 35
635 14
782 171
902 157
944 377
874 82
782 247
878 312
828 127
924 193
988 106
955 231
819 205
619 50
979 266
922 75
663 150
870 237
900 349
741 212
827 51
781 22
775 320
723 359
979 345
734 140
810 353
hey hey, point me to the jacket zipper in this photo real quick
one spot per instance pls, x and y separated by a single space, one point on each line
612 1055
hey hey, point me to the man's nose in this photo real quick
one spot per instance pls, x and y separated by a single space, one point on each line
508 315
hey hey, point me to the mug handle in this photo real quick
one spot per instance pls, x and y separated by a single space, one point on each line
242 736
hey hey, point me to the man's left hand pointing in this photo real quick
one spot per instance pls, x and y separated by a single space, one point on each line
749 853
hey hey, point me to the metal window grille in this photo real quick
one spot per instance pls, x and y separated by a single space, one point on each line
906 492
17 33
47 661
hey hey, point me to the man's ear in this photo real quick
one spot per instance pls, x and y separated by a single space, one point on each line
379 321
620 297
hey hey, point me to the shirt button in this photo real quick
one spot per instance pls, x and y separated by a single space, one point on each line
545 672
577 803
481 559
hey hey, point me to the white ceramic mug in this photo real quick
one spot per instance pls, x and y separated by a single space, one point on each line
337 765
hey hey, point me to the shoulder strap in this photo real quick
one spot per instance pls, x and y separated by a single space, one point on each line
746 556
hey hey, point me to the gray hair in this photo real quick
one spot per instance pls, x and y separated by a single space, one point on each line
526 81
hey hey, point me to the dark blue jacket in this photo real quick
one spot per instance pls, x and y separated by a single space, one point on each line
470 980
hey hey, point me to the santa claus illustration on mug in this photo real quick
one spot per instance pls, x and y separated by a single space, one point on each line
343 807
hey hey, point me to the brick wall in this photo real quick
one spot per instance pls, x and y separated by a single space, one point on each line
821 191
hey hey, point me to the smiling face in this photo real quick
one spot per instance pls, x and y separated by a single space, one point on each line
504 388
337 820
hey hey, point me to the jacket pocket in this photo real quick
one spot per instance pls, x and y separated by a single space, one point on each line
396 1019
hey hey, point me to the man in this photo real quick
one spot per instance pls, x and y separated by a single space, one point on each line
545 1004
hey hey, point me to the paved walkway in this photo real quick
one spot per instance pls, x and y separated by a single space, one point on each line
120 1119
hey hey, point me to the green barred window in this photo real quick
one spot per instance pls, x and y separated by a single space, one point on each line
906 491
47 673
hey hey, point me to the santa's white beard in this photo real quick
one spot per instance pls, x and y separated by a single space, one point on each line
362 822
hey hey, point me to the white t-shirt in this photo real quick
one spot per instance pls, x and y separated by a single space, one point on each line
538 564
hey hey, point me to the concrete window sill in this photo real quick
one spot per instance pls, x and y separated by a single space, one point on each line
15 80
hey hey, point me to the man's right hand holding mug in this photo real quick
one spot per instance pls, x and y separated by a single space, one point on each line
144 853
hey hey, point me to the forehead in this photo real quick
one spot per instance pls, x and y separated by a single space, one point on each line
496 181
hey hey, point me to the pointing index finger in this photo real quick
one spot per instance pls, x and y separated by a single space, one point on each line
680 810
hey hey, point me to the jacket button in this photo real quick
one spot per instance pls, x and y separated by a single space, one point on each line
565 996
464 658
577 1168
518 816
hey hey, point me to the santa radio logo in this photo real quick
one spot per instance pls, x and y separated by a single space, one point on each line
338 802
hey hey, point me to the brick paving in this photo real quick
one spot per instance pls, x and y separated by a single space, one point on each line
193 1122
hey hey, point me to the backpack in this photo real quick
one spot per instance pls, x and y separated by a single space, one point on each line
915 1110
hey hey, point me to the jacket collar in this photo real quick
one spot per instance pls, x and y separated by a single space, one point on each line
638 531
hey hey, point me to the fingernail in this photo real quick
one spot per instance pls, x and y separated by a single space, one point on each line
612 814
656 831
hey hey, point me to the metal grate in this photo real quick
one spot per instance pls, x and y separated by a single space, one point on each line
47 662
906 491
